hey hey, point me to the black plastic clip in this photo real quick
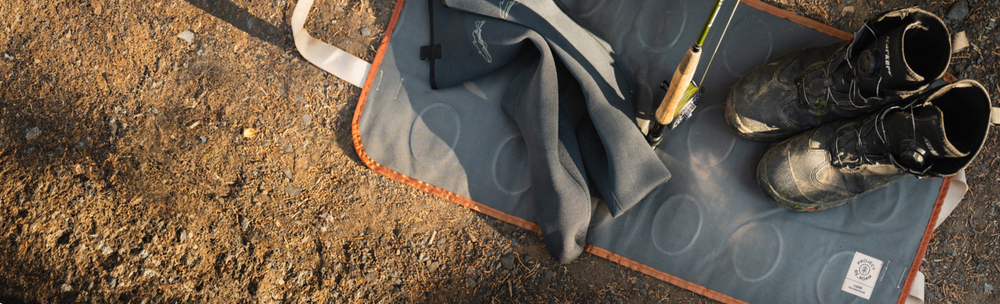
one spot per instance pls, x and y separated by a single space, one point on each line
430 52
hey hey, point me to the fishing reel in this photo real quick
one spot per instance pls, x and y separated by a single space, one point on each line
683 111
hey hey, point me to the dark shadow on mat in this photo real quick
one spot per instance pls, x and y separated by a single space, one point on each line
243 20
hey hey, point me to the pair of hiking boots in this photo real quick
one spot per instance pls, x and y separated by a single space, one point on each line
861 115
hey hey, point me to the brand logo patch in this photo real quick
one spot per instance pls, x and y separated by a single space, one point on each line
862 275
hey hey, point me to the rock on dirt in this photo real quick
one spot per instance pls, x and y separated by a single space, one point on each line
959 10
507 261
292 190
307 120
186 36
31 133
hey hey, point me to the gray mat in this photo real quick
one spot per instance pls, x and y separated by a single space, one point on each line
709 224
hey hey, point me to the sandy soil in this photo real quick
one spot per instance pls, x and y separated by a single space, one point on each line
138 166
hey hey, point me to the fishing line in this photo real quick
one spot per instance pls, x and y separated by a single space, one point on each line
705 73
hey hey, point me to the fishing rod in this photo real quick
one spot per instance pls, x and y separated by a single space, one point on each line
679 102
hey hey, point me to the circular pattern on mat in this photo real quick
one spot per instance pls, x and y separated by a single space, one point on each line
510 166
872 211
434 133
709 139
677 224
831 279
757 250
661 23
742 57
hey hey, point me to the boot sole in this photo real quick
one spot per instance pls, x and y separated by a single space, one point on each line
795 206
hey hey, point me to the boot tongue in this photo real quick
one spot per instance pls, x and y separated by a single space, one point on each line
917 136
882 66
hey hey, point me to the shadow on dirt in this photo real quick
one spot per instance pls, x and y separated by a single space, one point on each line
244 21
48 138
99 153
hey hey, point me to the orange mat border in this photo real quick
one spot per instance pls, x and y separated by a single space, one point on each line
598 251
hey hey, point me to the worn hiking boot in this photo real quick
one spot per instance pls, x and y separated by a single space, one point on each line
934 134
893 56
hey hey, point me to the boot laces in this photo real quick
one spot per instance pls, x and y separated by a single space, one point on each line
828 82
868 143
850 148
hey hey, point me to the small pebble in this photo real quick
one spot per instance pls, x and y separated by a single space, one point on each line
847 10
307 120
987 288
507 261
203 139
366 31
249 132
186 36
244 222
32 133
292 190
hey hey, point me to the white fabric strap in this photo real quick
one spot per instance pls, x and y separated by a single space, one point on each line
332 59
916 295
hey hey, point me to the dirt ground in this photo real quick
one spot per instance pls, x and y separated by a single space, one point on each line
138 166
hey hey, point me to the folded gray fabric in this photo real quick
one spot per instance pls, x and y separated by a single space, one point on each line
569 89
